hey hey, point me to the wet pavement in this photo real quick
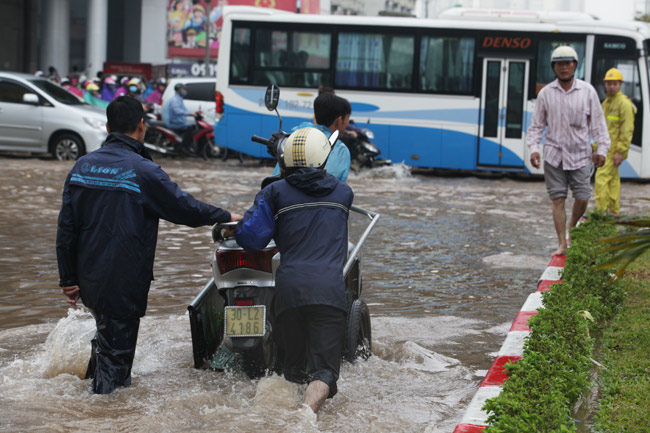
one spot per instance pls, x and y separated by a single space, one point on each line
444 273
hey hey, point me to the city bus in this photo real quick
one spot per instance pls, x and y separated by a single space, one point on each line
456 93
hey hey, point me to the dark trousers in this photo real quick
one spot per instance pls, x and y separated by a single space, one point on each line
113 349
311 338
187 133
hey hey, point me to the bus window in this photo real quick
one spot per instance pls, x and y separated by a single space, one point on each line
375 61
446 64
631 81
631 87
239 55
545 73
620 53
291 58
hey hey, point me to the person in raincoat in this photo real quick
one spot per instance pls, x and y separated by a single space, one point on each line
93 97
619 112
122 90
331 113
112 202
306 213
108 90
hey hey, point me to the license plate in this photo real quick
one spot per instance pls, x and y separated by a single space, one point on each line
249 321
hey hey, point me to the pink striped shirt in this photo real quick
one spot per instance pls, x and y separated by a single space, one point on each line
569 118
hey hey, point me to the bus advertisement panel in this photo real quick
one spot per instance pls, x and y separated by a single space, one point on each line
187 24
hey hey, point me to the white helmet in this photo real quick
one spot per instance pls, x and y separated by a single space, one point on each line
306 147
564 53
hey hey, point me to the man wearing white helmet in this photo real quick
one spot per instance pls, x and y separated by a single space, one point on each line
306 213
570 111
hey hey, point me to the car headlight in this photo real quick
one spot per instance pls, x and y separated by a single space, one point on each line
95 123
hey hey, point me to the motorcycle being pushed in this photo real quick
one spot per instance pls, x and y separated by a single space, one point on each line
165 141
232 319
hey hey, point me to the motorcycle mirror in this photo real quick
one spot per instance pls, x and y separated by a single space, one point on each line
272 97
333 138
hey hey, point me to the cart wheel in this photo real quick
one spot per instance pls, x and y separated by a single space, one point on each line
358 335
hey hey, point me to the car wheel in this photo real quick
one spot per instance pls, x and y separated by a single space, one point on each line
67 147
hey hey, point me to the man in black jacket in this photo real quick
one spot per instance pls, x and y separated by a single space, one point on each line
306 213
112 201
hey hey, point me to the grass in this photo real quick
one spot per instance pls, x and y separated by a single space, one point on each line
624 405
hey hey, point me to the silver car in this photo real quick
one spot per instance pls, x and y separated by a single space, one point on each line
39 116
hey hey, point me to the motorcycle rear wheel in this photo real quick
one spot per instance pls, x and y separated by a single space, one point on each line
261 360
358 334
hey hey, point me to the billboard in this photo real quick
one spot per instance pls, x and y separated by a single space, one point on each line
187 24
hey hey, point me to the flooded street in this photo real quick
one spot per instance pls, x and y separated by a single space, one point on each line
445 271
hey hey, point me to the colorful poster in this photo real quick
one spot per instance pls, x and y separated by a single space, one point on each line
187 24
310 7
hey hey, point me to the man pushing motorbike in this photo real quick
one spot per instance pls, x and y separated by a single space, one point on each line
306 213
112 201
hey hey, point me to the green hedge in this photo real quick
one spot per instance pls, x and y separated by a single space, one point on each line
555 370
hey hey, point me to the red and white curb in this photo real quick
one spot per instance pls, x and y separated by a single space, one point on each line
475 419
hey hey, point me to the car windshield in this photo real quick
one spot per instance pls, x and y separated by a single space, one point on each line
57 92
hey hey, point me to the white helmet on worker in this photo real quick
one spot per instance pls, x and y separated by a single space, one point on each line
564 53
306 147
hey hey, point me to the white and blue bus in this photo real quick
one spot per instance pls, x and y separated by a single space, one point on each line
455 93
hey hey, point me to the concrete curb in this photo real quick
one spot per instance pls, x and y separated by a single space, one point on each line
475 419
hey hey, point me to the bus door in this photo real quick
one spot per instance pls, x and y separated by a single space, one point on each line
501 123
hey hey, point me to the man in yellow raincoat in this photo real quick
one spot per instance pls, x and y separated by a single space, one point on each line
619 112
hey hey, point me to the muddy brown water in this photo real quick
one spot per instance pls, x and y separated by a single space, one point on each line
444 273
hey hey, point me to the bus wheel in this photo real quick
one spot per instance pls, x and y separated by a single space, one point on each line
358 335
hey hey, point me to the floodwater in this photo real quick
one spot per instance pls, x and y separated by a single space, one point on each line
447 268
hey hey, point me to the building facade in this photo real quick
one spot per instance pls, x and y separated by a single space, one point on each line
78 36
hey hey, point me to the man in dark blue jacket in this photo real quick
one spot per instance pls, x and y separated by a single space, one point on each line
306 213
112 201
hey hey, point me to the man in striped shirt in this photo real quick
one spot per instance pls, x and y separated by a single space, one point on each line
569 110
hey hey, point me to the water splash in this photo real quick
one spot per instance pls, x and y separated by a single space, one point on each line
399 171
67 348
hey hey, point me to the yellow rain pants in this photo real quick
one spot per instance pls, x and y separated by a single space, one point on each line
619 113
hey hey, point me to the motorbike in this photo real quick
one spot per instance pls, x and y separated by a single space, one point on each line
363 154
232 318
165 141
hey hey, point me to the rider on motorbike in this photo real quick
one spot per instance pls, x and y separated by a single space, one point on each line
174 114
331 113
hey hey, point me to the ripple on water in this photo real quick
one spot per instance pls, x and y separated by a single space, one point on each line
403 388
517 261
